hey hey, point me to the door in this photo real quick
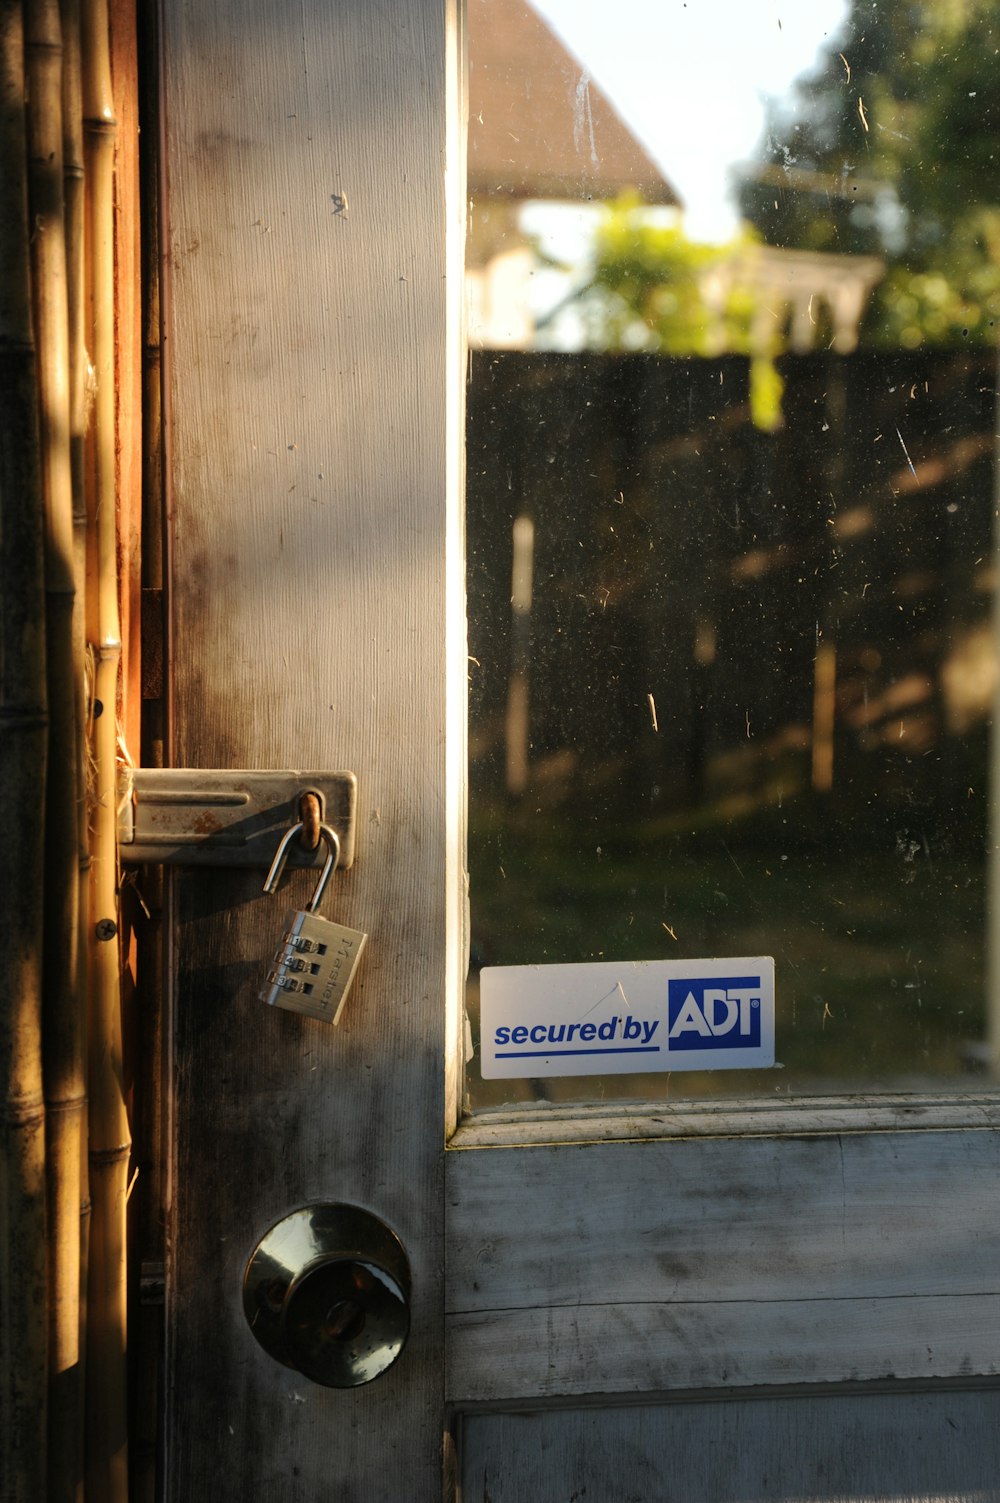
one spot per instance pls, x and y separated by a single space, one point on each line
759 1300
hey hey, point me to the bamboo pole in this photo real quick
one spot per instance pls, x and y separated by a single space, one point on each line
107 1451
73 208
23 1325
122 31
124 41
62 1036
146 1329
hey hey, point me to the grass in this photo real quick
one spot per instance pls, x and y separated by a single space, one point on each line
878 942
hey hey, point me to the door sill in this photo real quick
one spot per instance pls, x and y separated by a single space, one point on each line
538 1125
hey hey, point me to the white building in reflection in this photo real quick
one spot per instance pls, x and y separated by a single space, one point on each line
546 148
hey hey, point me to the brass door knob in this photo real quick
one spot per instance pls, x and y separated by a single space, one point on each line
327 1292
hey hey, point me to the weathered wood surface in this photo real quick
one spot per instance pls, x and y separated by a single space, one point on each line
645 1267
656 1346
307 361
859 1448
637 1121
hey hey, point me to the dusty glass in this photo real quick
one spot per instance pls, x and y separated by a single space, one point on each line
733 289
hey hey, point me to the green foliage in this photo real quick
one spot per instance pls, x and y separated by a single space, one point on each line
648 293
892 147
647 288
927 308
766 391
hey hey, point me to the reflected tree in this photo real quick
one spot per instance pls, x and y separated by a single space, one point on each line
657 290
889 147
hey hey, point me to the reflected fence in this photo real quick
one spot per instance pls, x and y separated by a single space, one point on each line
703 609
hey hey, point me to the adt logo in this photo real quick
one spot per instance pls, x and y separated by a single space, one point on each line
718 1012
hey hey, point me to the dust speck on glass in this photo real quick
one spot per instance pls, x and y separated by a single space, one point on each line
733 299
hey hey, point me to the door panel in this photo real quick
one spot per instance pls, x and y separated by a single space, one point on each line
870 1448
623 1268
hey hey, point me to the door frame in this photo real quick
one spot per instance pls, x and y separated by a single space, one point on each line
362 572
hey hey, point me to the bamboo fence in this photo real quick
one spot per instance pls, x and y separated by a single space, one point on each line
62 1271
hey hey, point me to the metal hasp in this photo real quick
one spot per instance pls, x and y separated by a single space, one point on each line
327 1292
194 817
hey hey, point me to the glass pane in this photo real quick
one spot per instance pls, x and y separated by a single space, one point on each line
733 283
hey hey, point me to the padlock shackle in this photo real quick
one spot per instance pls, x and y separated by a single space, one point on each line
281 856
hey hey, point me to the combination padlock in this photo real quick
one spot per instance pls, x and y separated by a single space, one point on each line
313 970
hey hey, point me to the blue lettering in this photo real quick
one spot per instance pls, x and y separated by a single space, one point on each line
639 1031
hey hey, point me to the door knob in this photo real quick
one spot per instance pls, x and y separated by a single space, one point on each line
327 1291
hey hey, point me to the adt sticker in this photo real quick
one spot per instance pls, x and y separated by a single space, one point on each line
610 1019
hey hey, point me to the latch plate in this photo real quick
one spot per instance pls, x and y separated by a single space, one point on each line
225 817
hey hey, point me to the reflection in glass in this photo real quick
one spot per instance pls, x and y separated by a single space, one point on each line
731 474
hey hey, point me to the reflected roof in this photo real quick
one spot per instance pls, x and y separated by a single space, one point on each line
539 126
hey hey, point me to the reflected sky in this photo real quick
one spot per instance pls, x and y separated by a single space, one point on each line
692 79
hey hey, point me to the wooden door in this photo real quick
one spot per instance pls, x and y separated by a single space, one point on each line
752 1302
